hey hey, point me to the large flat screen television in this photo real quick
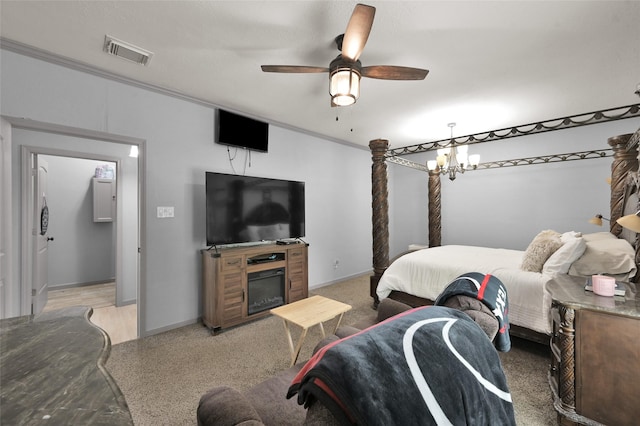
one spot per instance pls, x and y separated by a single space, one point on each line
244 209
238 130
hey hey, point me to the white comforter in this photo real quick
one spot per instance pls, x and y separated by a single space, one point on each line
425 273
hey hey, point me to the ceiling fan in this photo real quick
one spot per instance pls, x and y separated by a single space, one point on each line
346 69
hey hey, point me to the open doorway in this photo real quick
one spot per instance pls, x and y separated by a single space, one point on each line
81 193
30 139
81 243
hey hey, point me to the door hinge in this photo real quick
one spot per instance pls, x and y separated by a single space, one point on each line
33 292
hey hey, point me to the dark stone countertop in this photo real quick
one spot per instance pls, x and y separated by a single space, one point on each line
52 371
569 291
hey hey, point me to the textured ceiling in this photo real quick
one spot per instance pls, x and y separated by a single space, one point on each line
492 64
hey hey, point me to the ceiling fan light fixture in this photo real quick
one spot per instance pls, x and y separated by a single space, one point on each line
346 69
344 86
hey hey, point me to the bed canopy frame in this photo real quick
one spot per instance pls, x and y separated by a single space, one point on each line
624 176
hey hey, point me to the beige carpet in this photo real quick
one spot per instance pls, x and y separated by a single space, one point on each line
163 376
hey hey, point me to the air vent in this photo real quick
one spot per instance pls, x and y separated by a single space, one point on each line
127 51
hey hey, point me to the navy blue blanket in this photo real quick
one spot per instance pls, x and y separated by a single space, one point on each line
427 366
490 291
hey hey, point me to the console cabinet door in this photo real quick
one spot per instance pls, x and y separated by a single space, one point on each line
297 275
233 293
222 290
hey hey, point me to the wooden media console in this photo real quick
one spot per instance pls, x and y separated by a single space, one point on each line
243 283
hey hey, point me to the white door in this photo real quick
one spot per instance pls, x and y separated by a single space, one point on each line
41 237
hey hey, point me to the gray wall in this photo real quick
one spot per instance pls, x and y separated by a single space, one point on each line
83 251
179 149
496 208
507 207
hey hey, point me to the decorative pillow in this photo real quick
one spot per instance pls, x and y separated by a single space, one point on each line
572 248
543 245
606 256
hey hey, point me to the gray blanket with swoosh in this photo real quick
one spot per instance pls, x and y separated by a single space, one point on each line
427 366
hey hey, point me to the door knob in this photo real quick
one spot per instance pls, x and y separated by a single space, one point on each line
49 238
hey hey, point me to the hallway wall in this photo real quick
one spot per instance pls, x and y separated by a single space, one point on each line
83 251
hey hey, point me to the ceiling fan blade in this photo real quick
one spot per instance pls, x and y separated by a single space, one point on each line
391 72
357 33
293 68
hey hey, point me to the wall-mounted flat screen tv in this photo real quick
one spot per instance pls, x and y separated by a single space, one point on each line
244 209
237 130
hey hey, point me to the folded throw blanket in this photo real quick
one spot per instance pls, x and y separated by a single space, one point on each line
490 291
427 366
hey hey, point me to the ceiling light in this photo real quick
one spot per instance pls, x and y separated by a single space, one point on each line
344 87
344 81
454 159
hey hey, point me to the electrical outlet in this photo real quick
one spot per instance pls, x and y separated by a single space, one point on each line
336 264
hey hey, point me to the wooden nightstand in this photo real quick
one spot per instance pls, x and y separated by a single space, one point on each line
595 359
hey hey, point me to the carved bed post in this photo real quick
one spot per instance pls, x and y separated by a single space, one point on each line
435 211
380 213
623 162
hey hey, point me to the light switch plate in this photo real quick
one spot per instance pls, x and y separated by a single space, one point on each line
165 212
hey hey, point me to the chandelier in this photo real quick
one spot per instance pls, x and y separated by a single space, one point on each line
453 159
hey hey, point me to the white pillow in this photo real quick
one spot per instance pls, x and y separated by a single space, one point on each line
572 248
596 236
607 256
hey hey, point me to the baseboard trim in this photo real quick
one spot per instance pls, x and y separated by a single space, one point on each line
170 327
83 284
198 320
126 302
348 277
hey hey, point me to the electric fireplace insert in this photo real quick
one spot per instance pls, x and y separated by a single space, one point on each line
265 290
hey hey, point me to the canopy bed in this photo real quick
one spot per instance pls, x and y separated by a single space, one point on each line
416 278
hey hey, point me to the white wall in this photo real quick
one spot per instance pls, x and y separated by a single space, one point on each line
507 207
179 149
